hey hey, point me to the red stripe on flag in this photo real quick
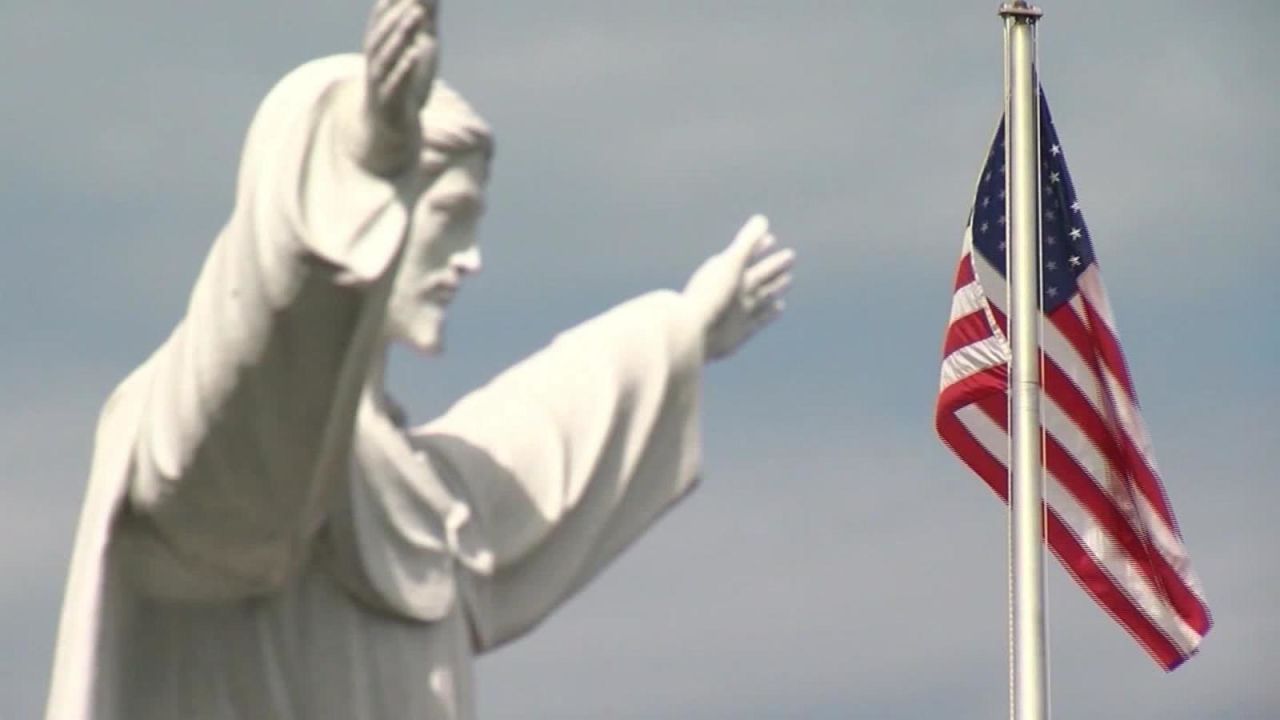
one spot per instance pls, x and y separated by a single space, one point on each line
1089 346
1001 321
980 384
1076 333
1077 481
1133 541
1077 561
1108 347
1106 592
965 331
1092 576
964 272
1060 387
962 443
1112 354
1122 457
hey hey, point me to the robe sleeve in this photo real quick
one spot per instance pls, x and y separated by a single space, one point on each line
249 406
569 456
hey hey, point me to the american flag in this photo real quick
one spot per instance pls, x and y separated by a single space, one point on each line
1108 519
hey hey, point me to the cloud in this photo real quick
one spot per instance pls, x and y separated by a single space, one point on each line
45 439
837 562
863 568
621 126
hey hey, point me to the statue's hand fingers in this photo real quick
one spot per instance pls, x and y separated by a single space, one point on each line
763 247
382 22
380 9
395 40
748 240
397 80
765 313
765 268
773 290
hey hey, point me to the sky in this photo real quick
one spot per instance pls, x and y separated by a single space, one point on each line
837 561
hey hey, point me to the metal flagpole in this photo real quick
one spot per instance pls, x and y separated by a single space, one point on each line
1027 667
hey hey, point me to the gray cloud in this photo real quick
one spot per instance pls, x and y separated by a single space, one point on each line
838 562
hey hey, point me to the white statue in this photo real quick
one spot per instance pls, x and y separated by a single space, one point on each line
263 537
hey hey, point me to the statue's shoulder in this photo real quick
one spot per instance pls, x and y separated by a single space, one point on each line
124 405
295 100
313 77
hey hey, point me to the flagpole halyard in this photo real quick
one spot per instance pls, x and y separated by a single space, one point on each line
1028 657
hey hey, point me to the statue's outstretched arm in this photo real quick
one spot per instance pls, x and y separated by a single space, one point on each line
568 457
250 405
401 51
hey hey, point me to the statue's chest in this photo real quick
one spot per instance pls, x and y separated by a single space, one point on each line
401 528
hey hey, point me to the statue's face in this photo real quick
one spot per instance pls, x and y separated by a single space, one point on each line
439 253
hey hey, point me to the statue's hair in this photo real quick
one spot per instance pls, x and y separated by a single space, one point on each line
451 126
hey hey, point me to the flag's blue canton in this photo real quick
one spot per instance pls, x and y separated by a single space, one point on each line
1065 250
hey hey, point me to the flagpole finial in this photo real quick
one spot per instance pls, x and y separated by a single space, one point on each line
1021 9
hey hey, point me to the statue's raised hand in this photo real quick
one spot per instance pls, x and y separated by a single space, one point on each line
739 290
401 51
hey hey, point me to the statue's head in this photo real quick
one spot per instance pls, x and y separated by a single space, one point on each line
441 248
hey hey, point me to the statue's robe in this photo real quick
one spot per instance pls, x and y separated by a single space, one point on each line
259 542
